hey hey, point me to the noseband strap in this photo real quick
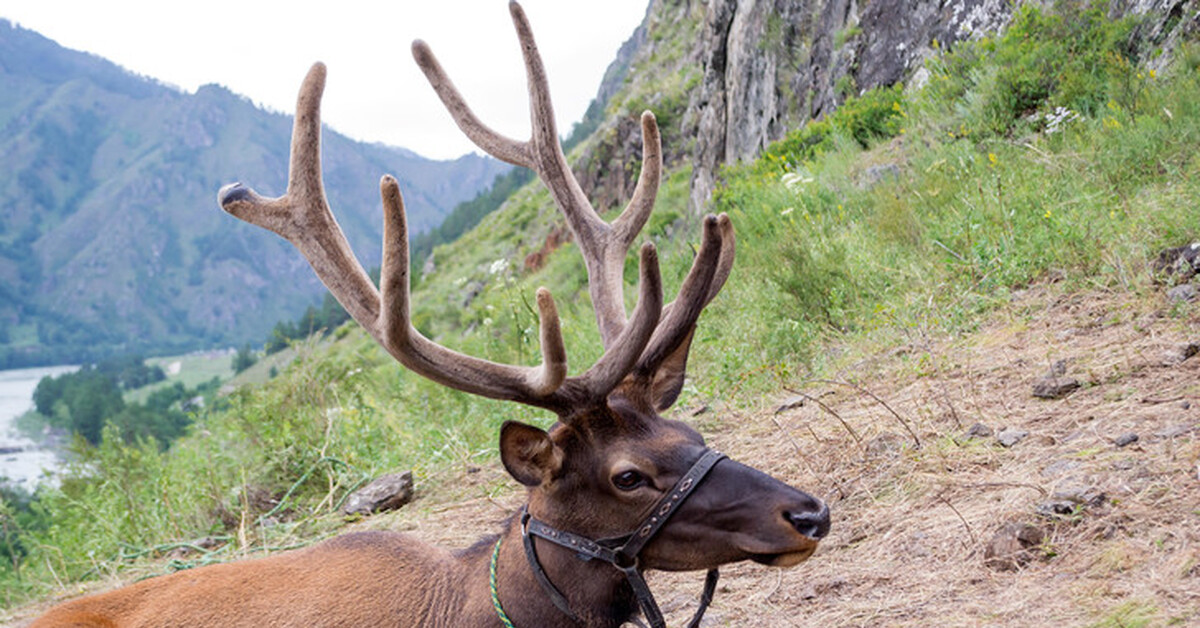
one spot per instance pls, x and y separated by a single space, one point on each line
622 552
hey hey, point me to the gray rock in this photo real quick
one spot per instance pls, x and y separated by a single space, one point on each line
1126 439
1057 508
874 175
1011 436
1182 261
1183 293
1175 430
1060 467
387 492
979 430
1081 494
1051 387
1180 353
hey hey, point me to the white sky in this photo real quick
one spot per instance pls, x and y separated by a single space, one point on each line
374 91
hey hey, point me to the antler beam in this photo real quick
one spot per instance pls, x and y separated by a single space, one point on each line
302 216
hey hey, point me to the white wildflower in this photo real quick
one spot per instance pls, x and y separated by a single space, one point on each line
1056 120
498 266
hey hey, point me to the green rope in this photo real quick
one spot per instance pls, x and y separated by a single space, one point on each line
496 595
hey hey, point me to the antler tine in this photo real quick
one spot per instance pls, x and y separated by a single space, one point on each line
604 246
532 385
619 359
724 262
499 146
302 215
629 224
606 258
695 293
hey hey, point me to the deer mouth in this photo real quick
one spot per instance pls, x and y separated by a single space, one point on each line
785 559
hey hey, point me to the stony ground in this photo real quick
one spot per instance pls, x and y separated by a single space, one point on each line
959 497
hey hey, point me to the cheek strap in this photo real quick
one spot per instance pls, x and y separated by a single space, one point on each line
622 552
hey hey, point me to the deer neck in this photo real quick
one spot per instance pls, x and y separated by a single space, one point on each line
596 593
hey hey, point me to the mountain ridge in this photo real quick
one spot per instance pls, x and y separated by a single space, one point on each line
110 237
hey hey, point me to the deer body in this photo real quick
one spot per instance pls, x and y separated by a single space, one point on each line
383 579
639 491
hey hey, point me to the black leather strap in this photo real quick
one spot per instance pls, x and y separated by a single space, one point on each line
670 503
625 555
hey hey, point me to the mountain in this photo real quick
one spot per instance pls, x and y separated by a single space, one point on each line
110 236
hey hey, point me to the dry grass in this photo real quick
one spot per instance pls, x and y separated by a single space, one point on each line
911 523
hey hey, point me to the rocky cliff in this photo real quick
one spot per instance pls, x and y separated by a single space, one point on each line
727 77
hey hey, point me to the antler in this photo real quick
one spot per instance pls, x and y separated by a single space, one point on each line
634 346
302 216
603 245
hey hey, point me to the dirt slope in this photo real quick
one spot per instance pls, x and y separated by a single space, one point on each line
912 524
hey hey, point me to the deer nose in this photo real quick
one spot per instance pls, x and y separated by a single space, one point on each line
813 524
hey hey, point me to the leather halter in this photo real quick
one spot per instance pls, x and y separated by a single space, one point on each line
622 552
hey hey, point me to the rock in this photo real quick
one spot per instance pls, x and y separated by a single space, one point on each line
979 430
1059 467
1070 500
1013 546
1051 387
1175 430
1058 369
1182 261
1183 293
1126 439
387 492
1179 353
874 175
1080 494
1057 508
1011 436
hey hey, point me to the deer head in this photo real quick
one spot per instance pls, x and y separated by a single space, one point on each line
607 463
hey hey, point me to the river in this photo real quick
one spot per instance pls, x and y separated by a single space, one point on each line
23 462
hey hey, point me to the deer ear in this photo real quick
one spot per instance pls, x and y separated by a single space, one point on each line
528 453
668 379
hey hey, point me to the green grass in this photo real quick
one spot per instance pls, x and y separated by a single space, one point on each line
191 370
902 213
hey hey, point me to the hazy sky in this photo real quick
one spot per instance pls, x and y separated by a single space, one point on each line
374 90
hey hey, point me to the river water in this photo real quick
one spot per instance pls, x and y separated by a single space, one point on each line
22 461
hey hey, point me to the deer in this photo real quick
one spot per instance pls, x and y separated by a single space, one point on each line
613 488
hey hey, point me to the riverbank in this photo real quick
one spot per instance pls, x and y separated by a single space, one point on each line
24 463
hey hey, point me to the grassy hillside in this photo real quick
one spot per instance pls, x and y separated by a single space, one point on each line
907 255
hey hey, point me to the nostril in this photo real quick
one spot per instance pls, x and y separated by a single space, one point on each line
814 525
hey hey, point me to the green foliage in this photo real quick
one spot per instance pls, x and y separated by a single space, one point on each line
877 114
468 214
933 230
243 359
84 401
1075 57
324 320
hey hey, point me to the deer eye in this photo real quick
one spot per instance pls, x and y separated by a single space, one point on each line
628 480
